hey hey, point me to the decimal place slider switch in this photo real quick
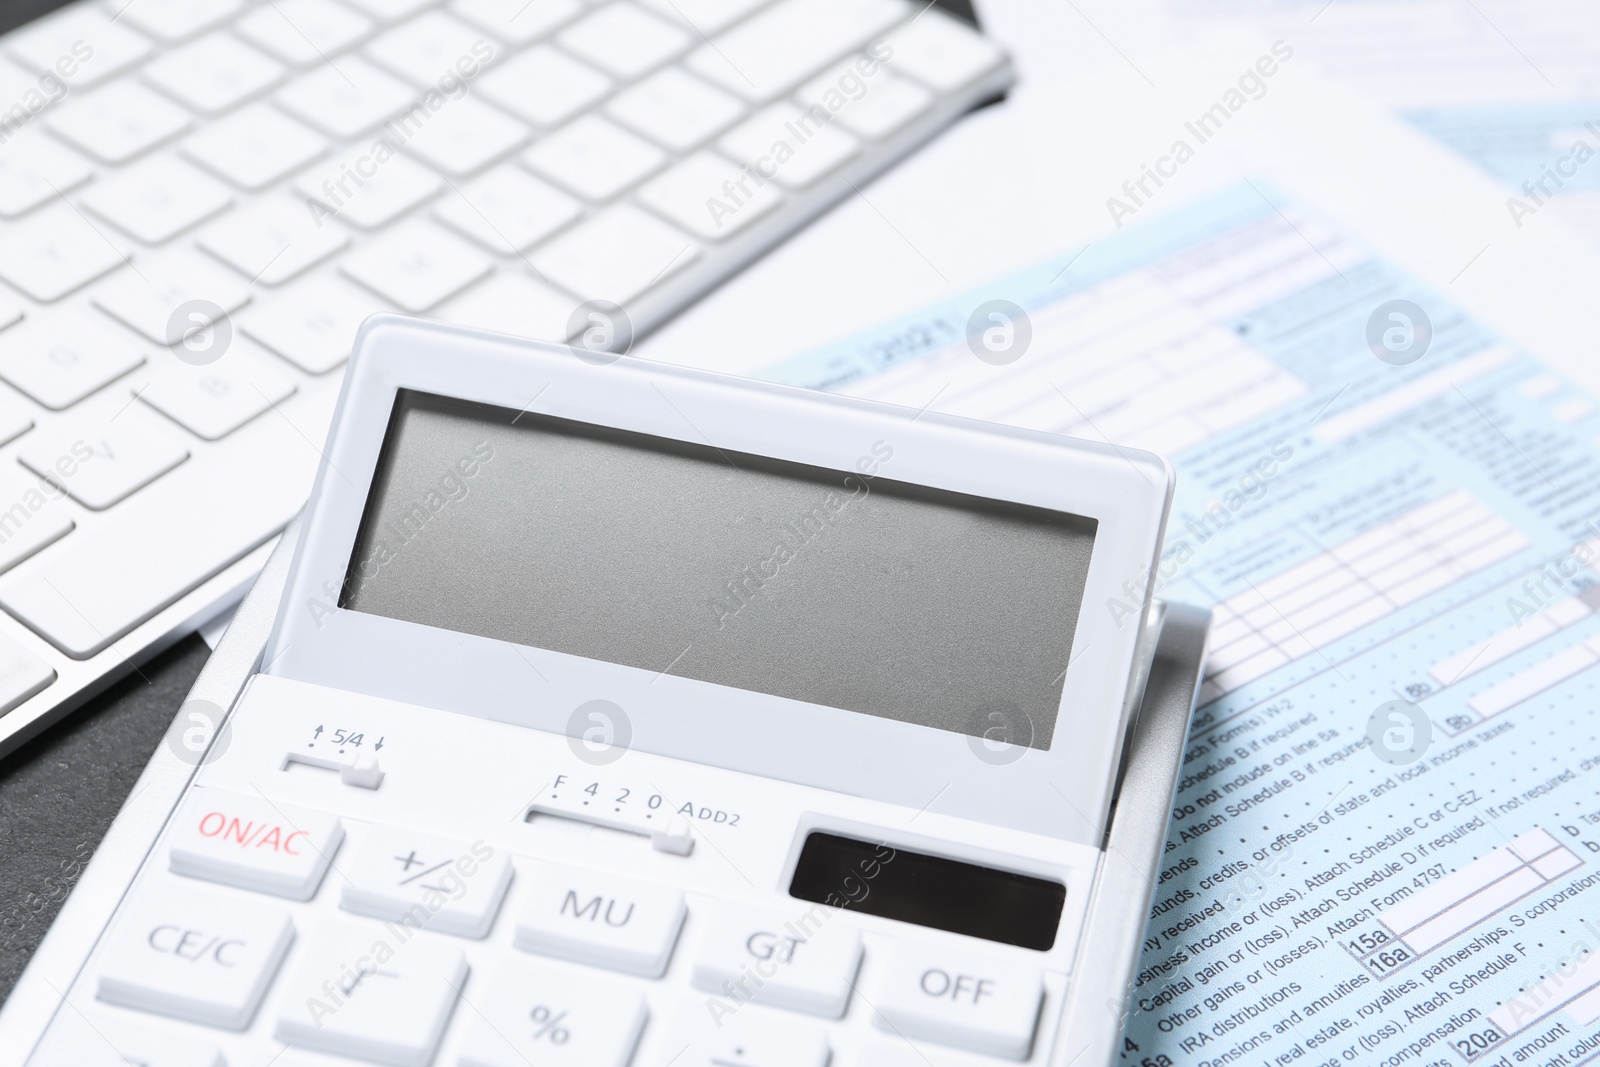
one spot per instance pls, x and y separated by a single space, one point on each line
252 843
194 954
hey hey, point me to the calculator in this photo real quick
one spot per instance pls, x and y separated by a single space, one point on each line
607 713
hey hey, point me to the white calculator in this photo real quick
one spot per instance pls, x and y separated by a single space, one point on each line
612 714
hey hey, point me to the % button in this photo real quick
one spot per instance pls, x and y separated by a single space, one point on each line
548 1025
536 1012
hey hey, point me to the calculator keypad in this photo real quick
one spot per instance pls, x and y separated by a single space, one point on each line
380 994
803 959
958 999
600 919
746 1038
448 919
452 887
195 955
530 1014
249 842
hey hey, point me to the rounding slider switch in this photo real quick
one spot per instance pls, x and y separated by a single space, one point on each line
361 771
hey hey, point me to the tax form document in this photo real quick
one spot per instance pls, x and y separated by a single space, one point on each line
1511 85
1385 848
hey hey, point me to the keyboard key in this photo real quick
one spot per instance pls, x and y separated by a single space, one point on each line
213 74
153 302
711 196
15 418
347 101
99 465
429 48
34 169
81 45
22 674
507 210
544 86
416 265
513 303
84 596
600 919
624 40
811 149
303 32
194 955
871 106
742 1037
941 53
426 882
248 841
119 121
255 147
534 1013
465 137
214 400
518 22
56 251
60 359
800 959
675 109
615 255
273 240
594 158
775 50
172 21
372 993
75 1041
31 517
703 16
959 999
157 199
391 10
367 188
312 325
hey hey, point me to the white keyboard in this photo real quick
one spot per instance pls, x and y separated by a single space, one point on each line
501 900
201 199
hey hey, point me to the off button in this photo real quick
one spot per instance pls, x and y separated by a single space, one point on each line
964 1001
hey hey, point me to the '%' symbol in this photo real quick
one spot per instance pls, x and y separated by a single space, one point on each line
549 1024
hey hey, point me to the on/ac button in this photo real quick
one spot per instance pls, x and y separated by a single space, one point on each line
967 1001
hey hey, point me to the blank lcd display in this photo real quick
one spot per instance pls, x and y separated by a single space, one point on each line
844 588
945 894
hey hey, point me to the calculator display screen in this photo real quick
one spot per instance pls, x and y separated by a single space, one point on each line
843 588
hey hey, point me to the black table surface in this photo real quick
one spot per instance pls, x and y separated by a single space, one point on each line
59 793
